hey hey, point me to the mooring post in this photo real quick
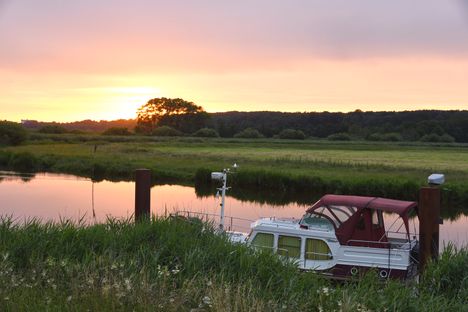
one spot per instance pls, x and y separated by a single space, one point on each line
429 221
142 194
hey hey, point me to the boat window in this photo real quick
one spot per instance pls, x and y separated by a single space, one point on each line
289 246
263 241
342 212
317 222
377 218
339 214
317 249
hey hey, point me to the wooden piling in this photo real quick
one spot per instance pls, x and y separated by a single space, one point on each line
429 220
142 194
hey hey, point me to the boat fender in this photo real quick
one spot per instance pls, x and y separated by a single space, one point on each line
354 271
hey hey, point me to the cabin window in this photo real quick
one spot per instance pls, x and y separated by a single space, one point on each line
289 246
377 219
317 249
263 241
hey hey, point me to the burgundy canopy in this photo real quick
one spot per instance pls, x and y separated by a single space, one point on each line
400 207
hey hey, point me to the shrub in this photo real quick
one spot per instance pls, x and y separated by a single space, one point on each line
55 129
12 133
117 131
206 133
166 131
389 137
433 137
249 133
292 134
341 136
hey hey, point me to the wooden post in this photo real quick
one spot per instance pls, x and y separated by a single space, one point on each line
142 194
429 220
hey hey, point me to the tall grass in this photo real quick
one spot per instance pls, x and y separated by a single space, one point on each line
175 265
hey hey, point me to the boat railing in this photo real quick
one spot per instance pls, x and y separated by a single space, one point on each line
376 244
231 223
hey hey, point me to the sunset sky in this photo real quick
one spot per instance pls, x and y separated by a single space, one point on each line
72 60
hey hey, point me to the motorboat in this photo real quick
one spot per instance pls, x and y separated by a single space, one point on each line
343 236
340 236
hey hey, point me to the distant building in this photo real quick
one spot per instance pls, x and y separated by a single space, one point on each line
28 123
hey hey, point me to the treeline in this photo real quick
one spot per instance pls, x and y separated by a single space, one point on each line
425 125
422 125
76 126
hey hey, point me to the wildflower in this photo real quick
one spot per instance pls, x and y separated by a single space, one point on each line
69 298
209 283
6 298
128 285
175 271
207 300
171 300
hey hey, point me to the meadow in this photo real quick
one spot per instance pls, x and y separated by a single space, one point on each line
176 265
283 168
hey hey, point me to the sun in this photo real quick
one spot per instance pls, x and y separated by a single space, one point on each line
126 100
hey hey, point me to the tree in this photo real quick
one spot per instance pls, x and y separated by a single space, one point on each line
176 113
52 129
12 133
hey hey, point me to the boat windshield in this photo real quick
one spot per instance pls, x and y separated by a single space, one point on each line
315 221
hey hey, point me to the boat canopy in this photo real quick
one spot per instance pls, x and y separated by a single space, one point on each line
400 207
358 220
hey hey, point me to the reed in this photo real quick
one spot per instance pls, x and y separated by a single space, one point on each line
175 265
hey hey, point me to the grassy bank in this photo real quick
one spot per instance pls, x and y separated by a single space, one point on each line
285 168
172 265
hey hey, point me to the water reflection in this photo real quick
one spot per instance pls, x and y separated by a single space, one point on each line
55 196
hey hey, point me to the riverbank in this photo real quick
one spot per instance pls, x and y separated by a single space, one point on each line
287 169
173 265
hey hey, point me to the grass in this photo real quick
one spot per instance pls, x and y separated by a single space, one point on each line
175 265
266 165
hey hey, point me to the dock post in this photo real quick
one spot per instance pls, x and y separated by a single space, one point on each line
429 220
142 194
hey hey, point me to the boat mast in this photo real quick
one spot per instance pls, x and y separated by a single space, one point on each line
223 196
222 176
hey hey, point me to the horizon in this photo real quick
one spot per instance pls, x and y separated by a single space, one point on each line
235 111
69 61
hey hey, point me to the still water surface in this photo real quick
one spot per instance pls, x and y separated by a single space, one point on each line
51 197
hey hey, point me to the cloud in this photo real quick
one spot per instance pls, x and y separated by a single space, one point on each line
215 36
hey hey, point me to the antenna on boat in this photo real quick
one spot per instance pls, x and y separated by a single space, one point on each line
222 176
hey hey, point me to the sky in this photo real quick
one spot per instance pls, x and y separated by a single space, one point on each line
102 59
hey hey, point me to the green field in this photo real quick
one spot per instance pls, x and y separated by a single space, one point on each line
175 265
381 169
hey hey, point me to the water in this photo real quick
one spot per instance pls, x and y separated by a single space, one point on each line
51 197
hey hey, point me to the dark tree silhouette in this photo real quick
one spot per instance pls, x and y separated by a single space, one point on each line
177 113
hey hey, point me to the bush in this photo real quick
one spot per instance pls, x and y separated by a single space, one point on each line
117 131
292 134
433 137
206 133
166 131
54 129
341 136
388 137
249 133
12 133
